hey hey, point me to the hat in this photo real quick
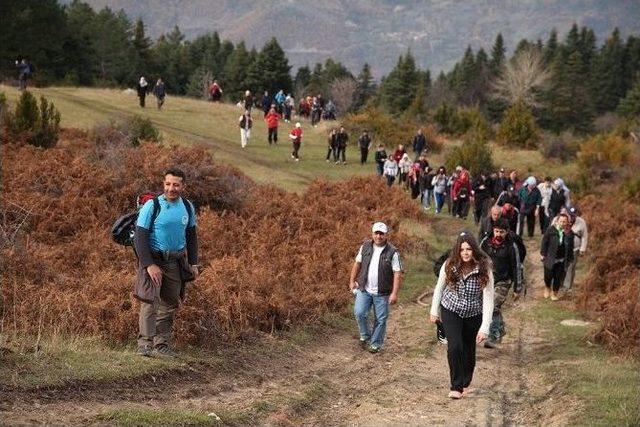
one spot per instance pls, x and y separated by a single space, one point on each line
298 124
381 227
501 169
574 211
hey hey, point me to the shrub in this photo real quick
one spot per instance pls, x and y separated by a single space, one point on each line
3 103
446 118
268 263
38 126
474 154
130 132
458 121
388 130
562 147
600 156
518 128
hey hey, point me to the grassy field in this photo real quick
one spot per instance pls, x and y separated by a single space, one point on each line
190 121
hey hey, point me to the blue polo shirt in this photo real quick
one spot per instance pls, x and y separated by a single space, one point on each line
169 229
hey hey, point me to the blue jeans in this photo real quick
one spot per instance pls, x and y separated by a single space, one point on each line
364 301
439 201
427 198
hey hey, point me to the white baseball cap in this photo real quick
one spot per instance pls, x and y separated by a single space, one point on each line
381 227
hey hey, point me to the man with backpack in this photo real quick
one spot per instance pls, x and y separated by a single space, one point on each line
166 243
506 258
364 143
341 139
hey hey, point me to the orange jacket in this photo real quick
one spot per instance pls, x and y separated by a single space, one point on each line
272 119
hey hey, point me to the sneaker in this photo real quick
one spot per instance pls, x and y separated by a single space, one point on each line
293 157
554 296
327 160
468 390
374 350
489 343
337 163
547 293
454 394
364 344
145 350
164 350
297 160
443 341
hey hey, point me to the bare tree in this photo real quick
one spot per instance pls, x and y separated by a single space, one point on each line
343 92
521 78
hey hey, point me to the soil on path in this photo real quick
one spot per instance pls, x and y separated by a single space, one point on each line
331 381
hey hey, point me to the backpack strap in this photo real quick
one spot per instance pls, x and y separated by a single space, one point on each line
189 207
156 211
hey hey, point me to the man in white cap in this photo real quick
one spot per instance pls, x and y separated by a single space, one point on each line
296 140
375 280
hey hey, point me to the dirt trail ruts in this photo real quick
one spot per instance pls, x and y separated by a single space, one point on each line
333 382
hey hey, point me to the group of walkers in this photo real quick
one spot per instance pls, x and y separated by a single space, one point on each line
159 91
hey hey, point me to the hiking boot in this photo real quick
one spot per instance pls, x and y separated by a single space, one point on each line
165 351
145 350
547 293
489 343
554 296
374 350
454 394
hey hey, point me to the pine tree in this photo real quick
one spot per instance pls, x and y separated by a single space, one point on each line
417 111
464 77
631 62
141 46
551 47
234 74
399 87
303 77
172 57
366 87
629 106
608 85
497 56
518 129
270 70
570 104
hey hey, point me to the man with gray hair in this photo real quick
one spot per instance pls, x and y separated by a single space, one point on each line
375 281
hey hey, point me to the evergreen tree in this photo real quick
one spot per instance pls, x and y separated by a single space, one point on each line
570 104
141 47
629 106
522 46
270 70
551 47
303 77
204 51
572 41
366 88
631 62
399 87
113 47
418 111
80 44
316 82
464 78
234 75
497 56
172 57
608 84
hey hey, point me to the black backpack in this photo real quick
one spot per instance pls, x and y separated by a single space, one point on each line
437 264
123 230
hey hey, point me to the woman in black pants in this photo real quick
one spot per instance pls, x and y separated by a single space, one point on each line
556 253
463 301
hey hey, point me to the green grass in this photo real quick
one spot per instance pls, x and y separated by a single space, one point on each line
189 121
160 417
61 360
608 386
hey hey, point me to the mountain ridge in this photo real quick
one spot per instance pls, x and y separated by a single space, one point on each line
377 32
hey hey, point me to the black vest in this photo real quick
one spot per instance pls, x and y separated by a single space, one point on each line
385 270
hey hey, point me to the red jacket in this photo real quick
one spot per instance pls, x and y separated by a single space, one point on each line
397 155
272 119
460 183
296 135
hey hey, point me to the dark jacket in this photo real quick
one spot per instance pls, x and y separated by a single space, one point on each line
557 201
551 244
142 90
266 103
385 269
381 157
506 261
481 195
342 138
419 143
364 142
486 228
159 90
529 200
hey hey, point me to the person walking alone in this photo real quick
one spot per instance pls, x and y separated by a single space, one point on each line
463 302
272 119
364 143
376 277
245 123
296 139
166 244
419 144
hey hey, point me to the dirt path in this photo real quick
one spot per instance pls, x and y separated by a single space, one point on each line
333 382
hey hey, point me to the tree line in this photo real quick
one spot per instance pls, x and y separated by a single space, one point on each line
76 45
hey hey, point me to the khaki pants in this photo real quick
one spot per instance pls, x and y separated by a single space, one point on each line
571 272
156 320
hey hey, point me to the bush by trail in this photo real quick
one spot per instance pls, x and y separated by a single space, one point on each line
36 125
270 259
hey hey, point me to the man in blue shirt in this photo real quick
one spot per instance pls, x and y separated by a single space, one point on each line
164 245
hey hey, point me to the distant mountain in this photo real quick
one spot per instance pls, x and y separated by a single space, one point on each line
378 31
